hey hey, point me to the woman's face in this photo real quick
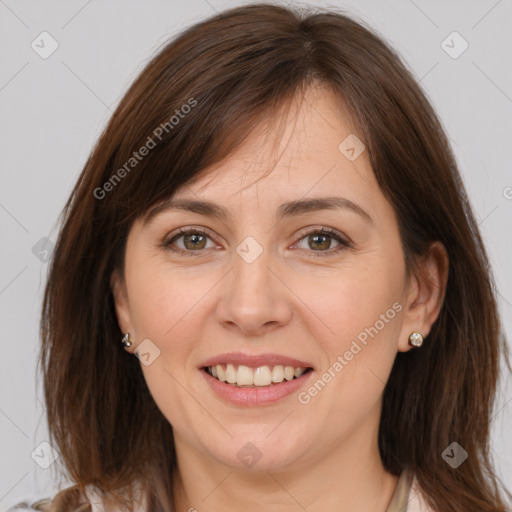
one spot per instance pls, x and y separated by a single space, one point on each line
260 287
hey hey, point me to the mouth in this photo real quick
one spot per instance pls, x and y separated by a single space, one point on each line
242 376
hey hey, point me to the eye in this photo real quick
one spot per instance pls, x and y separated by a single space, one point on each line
193 241
322 239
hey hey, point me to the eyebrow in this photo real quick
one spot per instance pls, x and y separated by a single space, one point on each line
292 208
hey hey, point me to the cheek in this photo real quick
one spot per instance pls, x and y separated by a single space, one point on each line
352 302
166 307
357 329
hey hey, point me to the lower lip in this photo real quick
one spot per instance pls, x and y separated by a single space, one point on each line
257 395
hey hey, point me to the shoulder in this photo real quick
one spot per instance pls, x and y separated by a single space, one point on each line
408 495
70 499
28 505
99 503
416 502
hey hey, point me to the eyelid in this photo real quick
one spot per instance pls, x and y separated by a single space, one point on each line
321 228
187 229
344 241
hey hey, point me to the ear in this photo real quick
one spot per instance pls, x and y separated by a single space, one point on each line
121 304
425 294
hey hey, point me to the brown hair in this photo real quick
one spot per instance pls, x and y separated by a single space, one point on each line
234 70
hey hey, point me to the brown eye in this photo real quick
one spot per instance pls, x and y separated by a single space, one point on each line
194 241
320 242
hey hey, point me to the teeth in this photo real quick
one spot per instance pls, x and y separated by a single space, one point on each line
244 377
289 372
262 376
230 374
278 373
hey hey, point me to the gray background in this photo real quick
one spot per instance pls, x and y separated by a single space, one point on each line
52 110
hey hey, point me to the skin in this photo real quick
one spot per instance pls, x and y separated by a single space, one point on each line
322 455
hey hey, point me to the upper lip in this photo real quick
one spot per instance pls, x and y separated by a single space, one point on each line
254 361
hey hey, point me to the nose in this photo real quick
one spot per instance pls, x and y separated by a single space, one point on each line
254 300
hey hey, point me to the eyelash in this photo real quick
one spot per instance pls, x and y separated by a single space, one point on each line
344 244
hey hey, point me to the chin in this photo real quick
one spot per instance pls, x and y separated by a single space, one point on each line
259 451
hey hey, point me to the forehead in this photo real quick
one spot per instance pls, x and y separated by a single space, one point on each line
313 150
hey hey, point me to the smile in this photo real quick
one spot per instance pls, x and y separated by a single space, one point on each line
261 376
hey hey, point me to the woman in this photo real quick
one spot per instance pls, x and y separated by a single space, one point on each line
273 228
